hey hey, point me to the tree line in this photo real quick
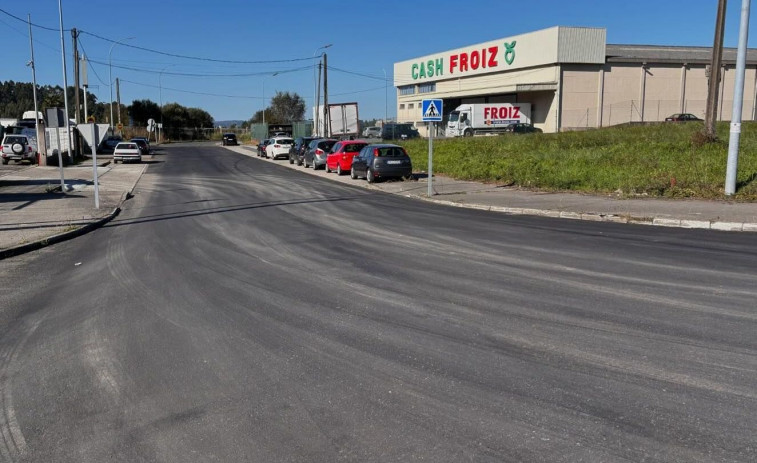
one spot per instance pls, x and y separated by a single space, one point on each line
179 122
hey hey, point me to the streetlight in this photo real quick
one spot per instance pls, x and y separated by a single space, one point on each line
110 73
264 100
160 86
386 104
315 90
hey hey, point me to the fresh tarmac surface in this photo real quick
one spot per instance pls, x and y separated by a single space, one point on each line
240 311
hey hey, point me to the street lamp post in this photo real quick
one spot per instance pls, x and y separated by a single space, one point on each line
110 73
315 90
160 86
386 101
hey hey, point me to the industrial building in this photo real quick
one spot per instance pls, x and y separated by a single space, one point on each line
573 79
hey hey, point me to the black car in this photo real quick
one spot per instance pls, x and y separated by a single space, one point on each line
316 152
229 139
297 151
375 162
109 144
522 128
143 146
395 131
261 147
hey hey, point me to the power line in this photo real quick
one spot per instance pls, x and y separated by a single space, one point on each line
189 74
54 29
194 93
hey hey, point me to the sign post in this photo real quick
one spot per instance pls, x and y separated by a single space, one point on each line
432 112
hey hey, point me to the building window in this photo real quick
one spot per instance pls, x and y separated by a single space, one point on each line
407 90
427 88
402 106
410 106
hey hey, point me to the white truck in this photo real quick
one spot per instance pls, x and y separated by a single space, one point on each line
486 118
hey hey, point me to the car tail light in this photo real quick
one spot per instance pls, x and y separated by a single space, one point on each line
277 146
344 157
376 152
319 151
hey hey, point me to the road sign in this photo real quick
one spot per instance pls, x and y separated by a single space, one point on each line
432 110
91 120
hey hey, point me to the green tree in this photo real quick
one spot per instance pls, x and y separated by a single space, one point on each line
287 107
143 110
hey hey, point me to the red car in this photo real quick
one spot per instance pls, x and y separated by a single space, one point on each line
340 157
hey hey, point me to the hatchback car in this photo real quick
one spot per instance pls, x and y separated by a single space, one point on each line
297 153
402 131
17 148
375 162
522 128
127 151
110 143
278 147
372 132
316 153
339 159
229 139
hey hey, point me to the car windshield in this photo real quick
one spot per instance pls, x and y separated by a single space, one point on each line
453 116
285 141
326 145
15 139
127 146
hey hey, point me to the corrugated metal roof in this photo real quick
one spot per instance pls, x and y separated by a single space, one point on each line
672 54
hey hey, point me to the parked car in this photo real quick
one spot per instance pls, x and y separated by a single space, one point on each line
109 144
261 147
297 152
278 147
522 128
684 117
143 145
380 161
399 131
229 139
341 154
316 153
17 148
127 151
372 132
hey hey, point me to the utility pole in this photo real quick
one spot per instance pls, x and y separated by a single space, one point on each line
318 103
118 98
712 88
326 122
738 101
77 102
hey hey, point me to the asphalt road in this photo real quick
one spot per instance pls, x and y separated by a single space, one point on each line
240 311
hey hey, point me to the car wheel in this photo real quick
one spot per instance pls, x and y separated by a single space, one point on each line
291 161
305 163
369 176
408 177
5 161
468 133
339 169
353 175
327 168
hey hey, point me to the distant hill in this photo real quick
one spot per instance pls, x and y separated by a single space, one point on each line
227 123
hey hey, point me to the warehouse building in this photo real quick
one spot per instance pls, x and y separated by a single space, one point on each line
573 79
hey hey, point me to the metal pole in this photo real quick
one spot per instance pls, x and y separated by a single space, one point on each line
738 101
34 90
430 191
318 103
386 100
94 168
712 89
326 121
160 85
65 80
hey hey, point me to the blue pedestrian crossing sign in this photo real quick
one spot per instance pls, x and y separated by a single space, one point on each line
432 110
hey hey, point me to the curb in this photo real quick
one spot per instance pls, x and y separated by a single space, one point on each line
596 217
65 236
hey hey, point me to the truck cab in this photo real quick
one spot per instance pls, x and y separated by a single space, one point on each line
459 122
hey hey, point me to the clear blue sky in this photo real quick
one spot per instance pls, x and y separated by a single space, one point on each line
367 37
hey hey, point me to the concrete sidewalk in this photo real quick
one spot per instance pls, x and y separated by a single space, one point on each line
34 212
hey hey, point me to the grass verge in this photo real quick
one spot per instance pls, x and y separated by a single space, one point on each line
661 160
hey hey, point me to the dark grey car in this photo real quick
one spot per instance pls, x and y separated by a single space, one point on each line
380 161
297 152
317 151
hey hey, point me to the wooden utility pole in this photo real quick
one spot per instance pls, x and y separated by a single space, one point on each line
714 78
326 122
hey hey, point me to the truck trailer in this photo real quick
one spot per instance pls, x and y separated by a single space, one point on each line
486 118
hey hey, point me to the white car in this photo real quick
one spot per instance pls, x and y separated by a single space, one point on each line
18 148
127 151
278 147
372 132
